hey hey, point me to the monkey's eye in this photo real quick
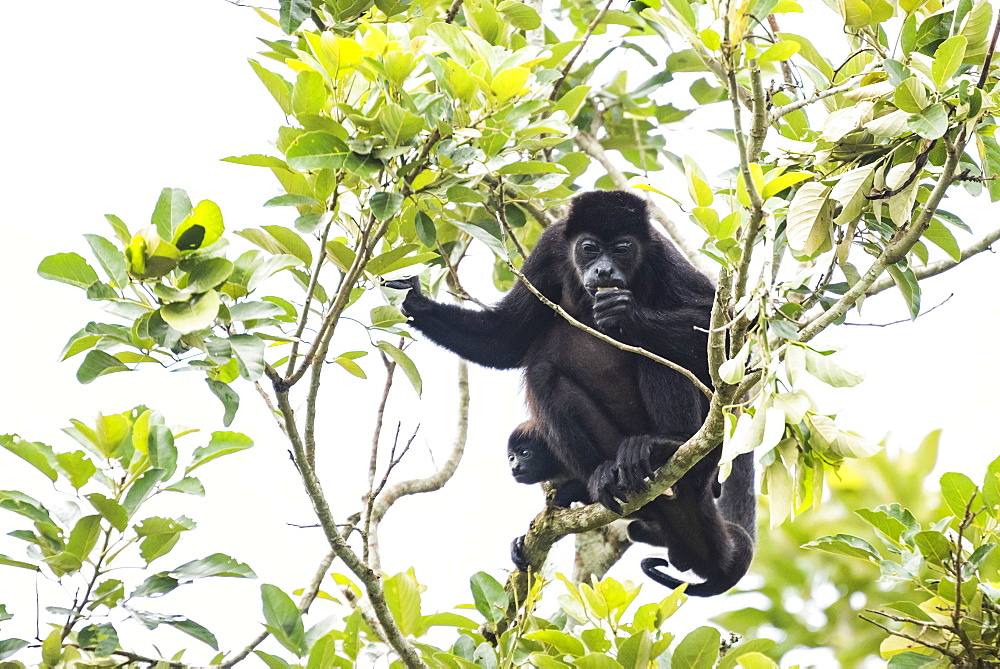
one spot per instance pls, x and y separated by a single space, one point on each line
621 249
525 453
590 248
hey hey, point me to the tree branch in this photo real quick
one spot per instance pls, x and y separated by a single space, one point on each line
576 53
443 475
895 250
372 583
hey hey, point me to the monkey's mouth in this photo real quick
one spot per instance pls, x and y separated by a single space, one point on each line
524 478
594 289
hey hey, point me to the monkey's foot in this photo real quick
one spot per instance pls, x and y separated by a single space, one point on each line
517 554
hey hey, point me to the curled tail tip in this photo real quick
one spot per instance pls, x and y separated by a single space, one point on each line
707 588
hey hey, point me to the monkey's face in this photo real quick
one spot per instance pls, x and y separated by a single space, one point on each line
602 263
529 460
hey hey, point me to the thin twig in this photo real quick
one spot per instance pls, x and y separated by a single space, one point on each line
935 268
576 53
902 320
940 649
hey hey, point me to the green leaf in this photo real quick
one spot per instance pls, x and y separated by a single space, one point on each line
201 228
291 243
906 281
958 490
11 562
532 167
934 546
572 101
10 646
520 15
405 363
230 399
402 594
110 510
810 220
426 231
309 94
208 273
386 316
111 258
37 454
385 205
77 467
221 443
399 125
931 122
279 89
820 366
141 490
846 544
283 619
912 660
939 235
561 641
775 185
193 629
991 487
911 610
188 485
97 363
851 191
196 313
883 522
172 207
103 638
317 150
217 564
698 650
489 596
911 96
162 452
160 535
68 268
249 353
779 51
947 59
257 160
289 200
84 536
291 14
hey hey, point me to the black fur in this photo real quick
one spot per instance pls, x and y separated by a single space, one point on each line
604 414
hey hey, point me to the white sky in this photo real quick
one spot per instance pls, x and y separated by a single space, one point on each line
106 104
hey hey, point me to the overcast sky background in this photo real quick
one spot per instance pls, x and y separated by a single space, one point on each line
106 104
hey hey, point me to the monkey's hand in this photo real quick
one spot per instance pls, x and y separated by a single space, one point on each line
517 554
414 296
615 310
605 486
635 464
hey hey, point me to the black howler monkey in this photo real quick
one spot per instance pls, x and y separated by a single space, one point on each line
607 267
